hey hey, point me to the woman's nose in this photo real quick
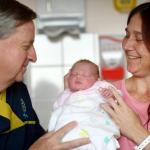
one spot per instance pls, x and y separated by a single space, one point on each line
128 44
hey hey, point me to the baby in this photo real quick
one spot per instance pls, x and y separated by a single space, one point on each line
81 102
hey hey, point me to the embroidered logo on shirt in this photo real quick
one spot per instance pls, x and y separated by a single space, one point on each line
24 109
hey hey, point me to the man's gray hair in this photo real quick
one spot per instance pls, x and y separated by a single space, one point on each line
13 14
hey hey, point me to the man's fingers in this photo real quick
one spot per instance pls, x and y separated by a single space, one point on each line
73 144
65 129
59 134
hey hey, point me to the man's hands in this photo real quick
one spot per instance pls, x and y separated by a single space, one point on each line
52 140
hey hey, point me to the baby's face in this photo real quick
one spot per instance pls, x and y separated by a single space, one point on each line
82 76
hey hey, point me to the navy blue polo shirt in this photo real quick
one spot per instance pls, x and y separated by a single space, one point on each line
19 124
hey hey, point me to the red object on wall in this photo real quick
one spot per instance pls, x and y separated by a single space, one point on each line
114 73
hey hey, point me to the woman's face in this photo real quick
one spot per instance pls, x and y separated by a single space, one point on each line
137 54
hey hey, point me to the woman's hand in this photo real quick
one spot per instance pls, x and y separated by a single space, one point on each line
127 120
52 140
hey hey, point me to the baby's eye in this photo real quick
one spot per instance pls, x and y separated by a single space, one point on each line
73 74
86 75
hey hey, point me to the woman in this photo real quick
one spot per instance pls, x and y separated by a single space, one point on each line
132 113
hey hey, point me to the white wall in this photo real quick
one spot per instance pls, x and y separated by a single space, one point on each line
102 17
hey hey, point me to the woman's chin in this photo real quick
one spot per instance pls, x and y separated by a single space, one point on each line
131 68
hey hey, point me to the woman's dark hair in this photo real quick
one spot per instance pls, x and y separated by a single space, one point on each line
13 14
144 11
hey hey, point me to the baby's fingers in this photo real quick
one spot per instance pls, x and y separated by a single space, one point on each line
117 96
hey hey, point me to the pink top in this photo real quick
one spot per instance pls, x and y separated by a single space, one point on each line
139 107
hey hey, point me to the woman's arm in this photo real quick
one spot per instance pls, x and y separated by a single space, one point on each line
128 121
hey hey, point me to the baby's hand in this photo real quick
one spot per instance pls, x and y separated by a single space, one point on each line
66 80
106 92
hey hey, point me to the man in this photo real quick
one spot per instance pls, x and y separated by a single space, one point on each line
19 125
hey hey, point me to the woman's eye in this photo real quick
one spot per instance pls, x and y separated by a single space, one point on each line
139 39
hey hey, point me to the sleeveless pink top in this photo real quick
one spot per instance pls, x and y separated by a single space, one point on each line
139 107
